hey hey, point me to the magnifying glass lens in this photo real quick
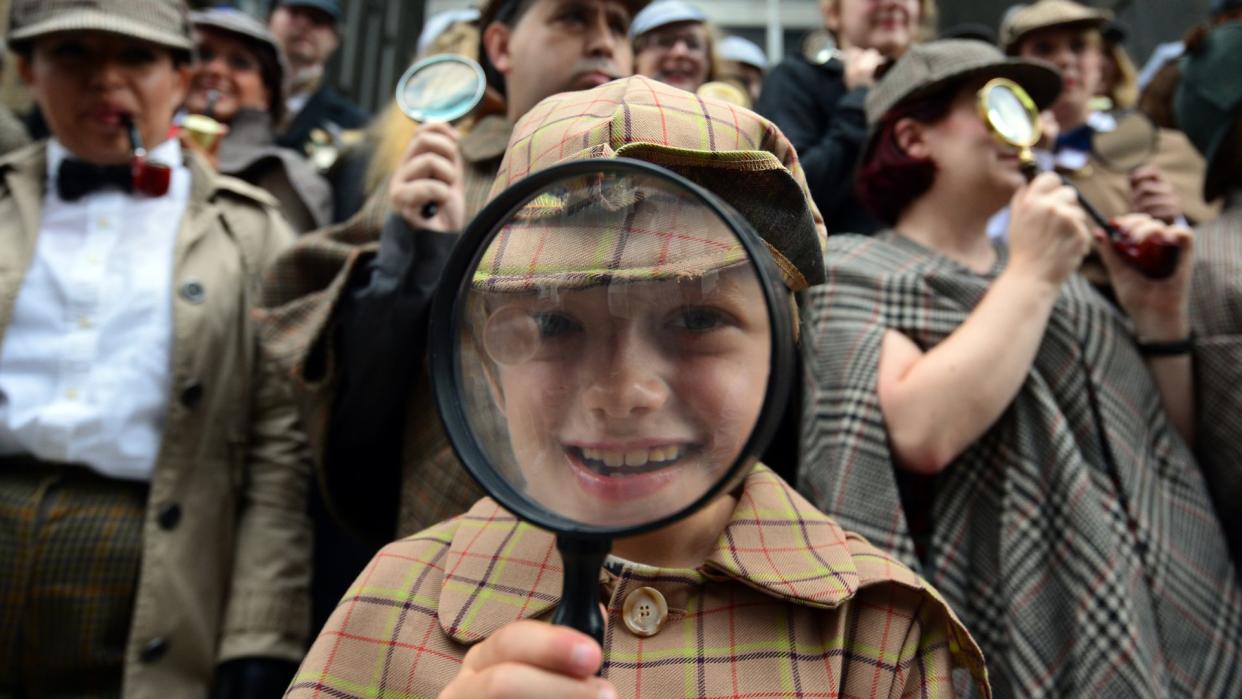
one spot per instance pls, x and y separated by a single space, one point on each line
614 349
442 88
1010 117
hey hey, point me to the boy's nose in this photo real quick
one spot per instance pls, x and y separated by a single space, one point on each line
627 381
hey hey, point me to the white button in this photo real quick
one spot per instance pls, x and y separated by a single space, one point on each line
644 612
103 222
84 323
72 394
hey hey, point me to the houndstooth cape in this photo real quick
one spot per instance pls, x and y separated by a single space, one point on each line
1081 551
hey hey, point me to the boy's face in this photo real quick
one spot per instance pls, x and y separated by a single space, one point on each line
86 82
625 403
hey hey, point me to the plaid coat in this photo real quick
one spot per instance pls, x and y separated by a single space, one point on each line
788 604
1076 538
1216 314
300 299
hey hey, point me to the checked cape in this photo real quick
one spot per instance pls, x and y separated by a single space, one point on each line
1077 578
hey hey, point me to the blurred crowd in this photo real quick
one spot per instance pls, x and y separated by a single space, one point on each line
216 412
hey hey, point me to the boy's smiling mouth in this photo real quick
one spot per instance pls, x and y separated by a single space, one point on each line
628 462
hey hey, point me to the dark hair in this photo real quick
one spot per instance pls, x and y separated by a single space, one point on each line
889 178
507 12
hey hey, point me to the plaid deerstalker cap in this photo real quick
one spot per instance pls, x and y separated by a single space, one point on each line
163 22
732 152
928 67
1045 14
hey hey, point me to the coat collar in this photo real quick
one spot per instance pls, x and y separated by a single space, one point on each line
776 542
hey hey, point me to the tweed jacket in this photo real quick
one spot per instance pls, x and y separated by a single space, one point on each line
302 302
226 544
787 604
1216 315
1076 537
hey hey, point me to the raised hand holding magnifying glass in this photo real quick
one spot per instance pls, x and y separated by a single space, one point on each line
1011 115
441 89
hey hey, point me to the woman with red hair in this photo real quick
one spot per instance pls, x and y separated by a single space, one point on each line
987 416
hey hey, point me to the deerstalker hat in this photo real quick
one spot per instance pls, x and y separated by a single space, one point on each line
732 152
162 22
1045 14
928 67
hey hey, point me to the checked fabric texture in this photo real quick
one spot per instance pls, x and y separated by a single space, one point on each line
1082 552
70 549
733 152
1216 315
788 604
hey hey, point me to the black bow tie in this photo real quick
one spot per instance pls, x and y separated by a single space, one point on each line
77 178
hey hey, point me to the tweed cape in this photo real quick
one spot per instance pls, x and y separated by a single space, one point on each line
1077 578
787 604
1216 315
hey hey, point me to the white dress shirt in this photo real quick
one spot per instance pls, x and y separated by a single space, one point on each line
85 365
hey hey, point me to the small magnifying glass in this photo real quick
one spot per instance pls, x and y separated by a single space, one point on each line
443 88
611 350
1013 119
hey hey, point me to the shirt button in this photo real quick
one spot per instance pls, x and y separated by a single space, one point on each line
103 222
72 394
644 612
84 323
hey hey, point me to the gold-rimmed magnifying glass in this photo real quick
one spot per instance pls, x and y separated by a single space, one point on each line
1012 117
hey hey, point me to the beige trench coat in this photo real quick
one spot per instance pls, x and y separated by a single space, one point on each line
226 549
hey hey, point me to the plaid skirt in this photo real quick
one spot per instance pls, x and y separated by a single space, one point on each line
70 549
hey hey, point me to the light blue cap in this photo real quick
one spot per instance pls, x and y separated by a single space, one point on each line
739 50
663 12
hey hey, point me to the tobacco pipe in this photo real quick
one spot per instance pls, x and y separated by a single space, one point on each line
148 178
1155 259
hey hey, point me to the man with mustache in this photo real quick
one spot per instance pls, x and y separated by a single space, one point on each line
345 306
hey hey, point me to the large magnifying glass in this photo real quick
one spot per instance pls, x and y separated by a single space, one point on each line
1013 119
443 88
610 350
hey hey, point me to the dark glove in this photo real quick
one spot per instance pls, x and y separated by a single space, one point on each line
253 678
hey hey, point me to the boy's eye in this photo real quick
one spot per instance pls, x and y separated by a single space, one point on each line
553 325
699 319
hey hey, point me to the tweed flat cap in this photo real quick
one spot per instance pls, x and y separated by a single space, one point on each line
1209 102
163 22
733 152
1045 14
926 68
332 8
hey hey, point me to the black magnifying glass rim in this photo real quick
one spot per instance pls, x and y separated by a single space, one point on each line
408 75
445 328
1154 143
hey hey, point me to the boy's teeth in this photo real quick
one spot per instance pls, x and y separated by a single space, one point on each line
632 457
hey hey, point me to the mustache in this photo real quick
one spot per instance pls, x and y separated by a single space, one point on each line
594 65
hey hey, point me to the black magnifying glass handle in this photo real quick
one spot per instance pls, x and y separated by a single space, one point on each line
579 605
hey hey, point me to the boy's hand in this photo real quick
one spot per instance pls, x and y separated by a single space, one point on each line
531 659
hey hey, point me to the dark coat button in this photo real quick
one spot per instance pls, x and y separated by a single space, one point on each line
168 516
191 394
154 650
193 292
